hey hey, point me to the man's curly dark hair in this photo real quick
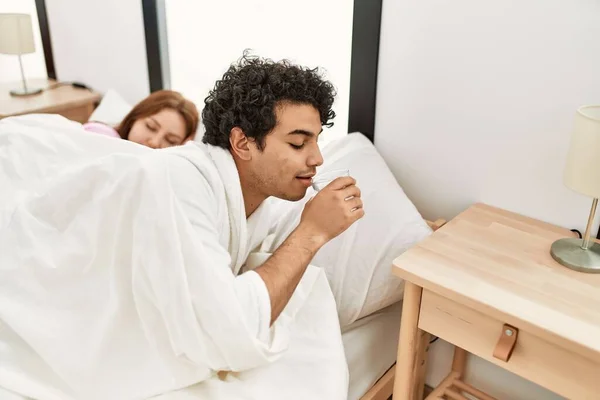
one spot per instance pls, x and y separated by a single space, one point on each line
249 92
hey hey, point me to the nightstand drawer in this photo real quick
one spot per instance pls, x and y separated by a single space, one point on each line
533 358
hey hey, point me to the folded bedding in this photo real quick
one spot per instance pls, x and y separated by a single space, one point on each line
113 284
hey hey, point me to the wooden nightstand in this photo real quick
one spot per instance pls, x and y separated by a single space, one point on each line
73 103
486 283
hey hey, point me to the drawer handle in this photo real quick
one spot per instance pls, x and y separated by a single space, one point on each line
506 343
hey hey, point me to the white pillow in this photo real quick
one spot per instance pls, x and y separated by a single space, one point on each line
358 263
112 109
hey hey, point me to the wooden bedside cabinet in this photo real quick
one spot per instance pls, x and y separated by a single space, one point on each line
486 283
71 102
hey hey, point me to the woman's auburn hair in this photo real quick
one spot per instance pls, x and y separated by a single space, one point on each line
156 102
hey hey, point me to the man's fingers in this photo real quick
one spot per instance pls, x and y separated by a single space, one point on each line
354 203
351 191
358 213
342 182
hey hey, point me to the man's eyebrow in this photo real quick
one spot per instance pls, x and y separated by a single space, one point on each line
304 132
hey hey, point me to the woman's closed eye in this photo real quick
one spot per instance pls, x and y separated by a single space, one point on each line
151 127
297 146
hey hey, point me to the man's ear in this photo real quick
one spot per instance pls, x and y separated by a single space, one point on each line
240 145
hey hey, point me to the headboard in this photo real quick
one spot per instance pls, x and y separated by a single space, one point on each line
366 26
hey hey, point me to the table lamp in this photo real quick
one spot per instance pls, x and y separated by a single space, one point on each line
16 38
582 175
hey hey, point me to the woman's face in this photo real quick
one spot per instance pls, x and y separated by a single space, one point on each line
163 129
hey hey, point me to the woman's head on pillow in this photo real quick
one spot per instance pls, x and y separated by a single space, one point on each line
163 119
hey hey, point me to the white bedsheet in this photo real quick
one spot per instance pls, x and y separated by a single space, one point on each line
371 344
108 290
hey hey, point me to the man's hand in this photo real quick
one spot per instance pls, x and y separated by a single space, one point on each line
332 210
325 216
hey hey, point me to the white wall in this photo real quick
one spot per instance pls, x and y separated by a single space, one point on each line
33 64
206 36
101 44
475 103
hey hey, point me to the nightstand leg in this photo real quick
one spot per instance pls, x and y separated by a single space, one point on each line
459 362
421 364
408 346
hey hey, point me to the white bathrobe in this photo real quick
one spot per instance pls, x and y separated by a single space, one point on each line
119 277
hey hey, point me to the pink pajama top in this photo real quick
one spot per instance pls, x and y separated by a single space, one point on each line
102 129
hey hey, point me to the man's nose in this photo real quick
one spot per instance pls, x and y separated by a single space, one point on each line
316 158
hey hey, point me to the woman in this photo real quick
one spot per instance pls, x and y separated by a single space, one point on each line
163 119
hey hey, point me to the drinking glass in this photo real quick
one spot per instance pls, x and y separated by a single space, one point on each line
325 178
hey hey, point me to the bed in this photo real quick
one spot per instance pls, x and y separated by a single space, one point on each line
370 343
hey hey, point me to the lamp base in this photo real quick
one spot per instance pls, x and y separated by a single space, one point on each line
23 92
568 252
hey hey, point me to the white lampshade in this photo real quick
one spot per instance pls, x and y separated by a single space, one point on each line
16 34
582 172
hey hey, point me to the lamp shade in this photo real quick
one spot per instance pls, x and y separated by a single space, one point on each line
16 34
582 172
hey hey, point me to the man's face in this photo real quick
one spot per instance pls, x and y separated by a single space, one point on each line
290 154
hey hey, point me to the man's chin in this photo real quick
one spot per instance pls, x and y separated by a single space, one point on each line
293 196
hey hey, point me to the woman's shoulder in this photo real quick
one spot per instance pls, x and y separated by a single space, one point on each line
101 128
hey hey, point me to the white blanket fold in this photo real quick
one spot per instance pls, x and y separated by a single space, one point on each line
119 277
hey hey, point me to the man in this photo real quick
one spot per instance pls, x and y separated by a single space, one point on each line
120 274
269 116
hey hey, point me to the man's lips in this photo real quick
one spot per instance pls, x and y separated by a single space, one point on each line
306 179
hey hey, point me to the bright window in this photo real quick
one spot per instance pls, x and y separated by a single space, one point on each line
206 36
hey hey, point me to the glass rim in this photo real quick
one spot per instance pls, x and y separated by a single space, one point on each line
333 172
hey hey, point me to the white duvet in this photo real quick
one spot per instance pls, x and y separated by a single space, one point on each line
116 284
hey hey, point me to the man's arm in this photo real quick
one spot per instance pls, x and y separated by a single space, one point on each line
284 269
328 214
